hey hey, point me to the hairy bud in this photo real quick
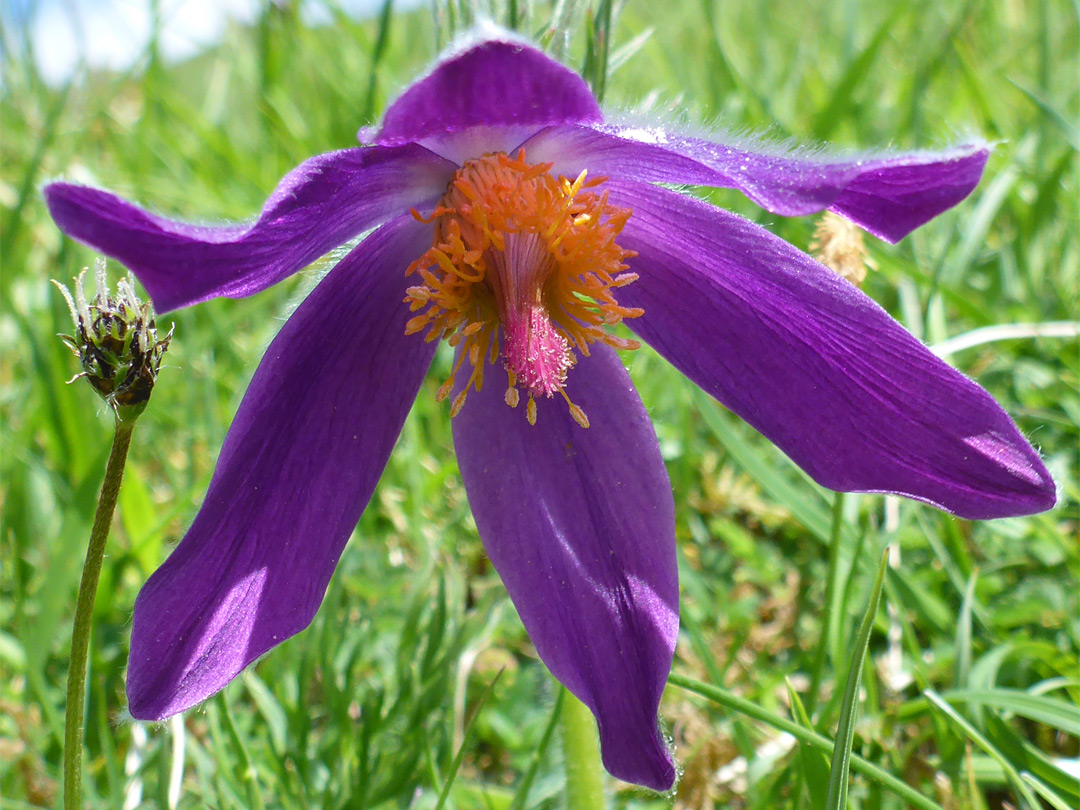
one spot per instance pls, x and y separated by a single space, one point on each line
116 342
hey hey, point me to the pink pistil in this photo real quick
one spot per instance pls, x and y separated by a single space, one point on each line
534 351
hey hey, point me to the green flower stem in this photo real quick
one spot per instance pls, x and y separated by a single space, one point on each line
830 592
84 611
581 754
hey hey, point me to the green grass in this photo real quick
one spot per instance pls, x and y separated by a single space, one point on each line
369 707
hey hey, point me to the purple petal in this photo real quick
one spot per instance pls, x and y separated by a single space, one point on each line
580 525
888 195
322 203
816 365
308 444
498 83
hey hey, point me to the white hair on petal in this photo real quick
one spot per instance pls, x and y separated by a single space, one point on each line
662 127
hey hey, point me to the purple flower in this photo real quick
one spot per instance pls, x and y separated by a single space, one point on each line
511 219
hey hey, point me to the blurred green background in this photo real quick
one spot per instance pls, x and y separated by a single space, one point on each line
368 707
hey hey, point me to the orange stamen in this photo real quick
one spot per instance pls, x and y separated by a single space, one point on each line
522 264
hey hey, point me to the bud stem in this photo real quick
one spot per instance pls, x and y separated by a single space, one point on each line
581 757
84 610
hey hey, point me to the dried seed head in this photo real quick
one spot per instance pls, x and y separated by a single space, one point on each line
116 342
838 244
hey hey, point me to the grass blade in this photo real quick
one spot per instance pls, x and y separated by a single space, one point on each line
522 794
1052 798
815 766
962 724
824 640
1064 127
804 735
810 512
845 732
456 764
963 633
1040 708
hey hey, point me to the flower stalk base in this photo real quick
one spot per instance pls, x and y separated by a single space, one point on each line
581 756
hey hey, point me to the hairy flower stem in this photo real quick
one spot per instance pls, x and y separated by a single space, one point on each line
84 610
581 755
830 593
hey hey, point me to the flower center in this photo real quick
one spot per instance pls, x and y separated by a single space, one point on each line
523 265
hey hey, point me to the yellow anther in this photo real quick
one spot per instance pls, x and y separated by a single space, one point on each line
416 324
579 415
459 402
575 411
444 390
